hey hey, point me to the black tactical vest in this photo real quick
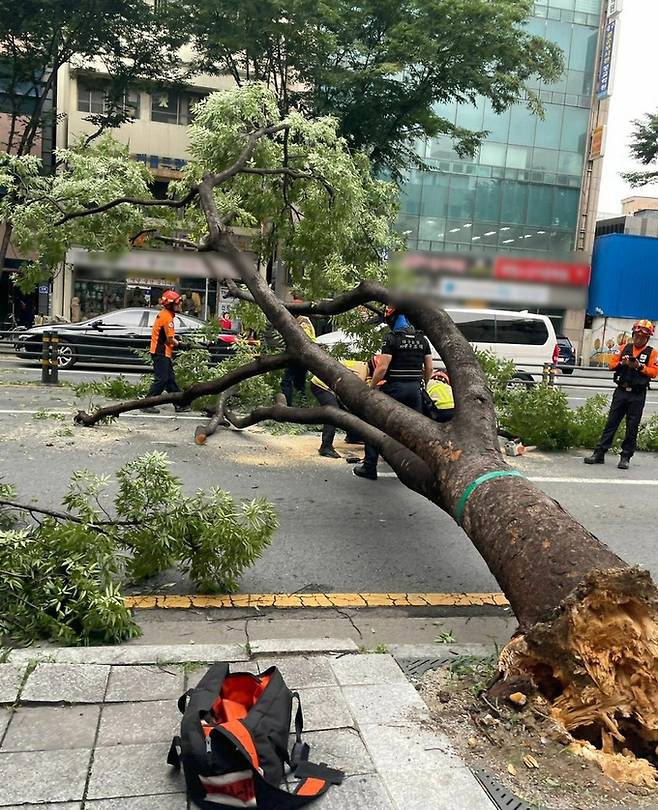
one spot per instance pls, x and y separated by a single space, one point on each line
408 356
627 376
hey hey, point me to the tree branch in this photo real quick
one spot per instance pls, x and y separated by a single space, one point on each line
218 418
289 173
99 209
261 365
36 510
361 295
411 470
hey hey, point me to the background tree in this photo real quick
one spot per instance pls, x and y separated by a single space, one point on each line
588 635
127 40
644 149
379 67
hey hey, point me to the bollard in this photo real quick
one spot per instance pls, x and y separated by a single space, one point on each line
548 375
54 358
45 358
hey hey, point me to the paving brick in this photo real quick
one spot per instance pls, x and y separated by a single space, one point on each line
11 678
133 770
296 646
324 708
66 683
57 806
364 792
392 705
362 670
420 769
135 723
169 801
136 683
132 653
51 728
340 748
5 717
302 671
54 776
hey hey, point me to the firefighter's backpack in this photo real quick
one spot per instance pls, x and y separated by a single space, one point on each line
233 744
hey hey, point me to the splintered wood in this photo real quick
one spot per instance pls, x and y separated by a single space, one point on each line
597 664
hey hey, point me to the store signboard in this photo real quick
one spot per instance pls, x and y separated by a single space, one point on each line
469 289
597 145
607 60
614 7
507 268
542 272
160 263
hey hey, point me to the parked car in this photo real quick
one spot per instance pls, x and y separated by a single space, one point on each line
113 338
526 338
567 358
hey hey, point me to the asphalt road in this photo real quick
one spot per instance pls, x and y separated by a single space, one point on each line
337 532
578 386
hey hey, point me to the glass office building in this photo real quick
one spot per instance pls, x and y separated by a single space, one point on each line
520 194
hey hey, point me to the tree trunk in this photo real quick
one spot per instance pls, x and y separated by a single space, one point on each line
590 635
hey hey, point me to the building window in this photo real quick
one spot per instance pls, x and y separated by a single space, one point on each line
90 99
94 100
172 107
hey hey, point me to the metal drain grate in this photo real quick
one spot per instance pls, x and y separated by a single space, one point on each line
499 795
413 668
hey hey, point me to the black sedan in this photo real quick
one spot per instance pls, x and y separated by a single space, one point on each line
113 338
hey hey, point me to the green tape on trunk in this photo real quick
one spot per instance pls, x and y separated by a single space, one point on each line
461 504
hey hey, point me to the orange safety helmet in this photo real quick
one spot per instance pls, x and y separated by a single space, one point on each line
170 297
646 327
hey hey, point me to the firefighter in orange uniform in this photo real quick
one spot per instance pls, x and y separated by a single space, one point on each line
635 366
163 343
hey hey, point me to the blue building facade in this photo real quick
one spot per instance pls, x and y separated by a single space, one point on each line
521 193
624 281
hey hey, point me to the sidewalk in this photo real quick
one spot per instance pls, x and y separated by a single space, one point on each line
89 729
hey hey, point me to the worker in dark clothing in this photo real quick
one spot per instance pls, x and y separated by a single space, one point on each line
405 362
325 396
635 367
163 343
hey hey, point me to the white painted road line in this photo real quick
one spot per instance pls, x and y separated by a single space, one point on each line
127 415
647 482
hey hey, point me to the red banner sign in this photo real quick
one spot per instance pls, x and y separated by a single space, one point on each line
542 272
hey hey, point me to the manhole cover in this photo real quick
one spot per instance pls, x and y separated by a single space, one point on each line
414 668
500 796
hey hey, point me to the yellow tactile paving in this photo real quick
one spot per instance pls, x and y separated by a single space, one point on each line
287 601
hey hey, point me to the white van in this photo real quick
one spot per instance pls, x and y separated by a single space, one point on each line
524 337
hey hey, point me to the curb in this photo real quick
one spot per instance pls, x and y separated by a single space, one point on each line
286 601
180 653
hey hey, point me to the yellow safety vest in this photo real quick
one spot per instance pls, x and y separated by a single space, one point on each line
358 367
441 394
307 326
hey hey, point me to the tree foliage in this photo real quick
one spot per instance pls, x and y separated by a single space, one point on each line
62 575
90 175
380 67
644 149
309 195
126 39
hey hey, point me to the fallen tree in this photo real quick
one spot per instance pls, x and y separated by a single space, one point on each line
588 638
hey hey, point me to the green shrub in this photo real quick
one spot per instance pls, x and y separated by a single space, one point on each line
498 373
540 416
114 388
61 577
648 436
589 420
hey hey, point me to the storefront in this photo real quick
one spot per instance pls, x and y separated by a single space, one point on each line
99 284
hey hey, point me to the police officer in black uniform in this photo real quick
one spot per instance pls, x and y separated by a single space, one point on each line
405 362
634 368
